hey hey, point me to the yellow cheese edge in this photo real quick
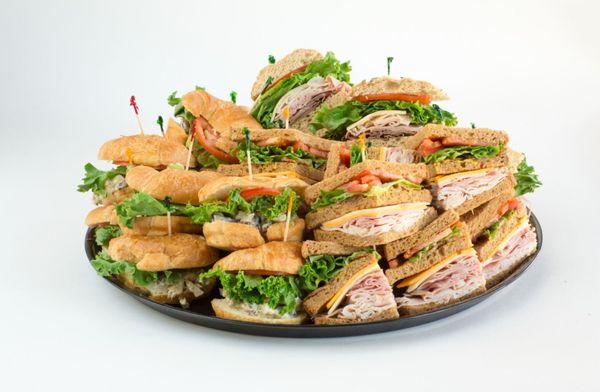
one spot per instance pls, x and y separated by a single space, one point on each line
373 212
451 177
333 303
524 221
415 281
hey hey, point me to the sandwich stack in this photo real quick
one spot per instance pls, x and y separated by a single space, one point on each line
324 203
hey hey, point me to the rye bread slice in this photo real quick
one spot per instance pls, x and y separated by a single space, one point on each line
389 314
398 196
417 309
315 302
380 239
442 222
440 251
311 248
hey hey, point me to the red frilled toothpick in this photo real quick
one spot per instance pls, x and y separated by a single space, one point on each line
136 110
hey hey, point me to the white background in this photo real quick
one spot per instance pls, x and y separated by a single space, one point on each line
67 71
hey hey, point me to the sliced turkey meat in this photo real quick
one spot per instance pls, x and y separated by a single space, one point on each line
519 245
367 298
399 155
307 97
458 278
451 194
382 124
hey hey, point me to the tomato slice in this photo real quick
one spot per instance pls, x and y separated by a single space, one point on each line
428 147
209 146
511 204
344 156
287 75
249 194
424 99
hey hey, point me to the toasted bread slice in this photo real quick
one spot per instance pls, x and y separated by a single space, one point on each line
389 85
223 309
380 239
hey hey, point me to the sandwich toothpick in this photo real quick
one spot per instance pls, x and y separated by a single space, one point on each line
248 158
159 121
168 203
362 145
288 217
136 110
190 147
129 154
286 116
389 62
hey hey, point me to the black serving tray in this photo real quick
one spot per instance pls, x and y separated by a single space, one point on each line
201 312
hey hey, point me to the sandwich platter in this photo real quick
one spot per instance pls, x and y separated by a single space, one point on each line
327 209
201 313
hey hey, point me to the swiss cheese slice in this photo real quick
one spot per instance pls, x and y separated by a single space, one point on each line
415 281
335 301
373 213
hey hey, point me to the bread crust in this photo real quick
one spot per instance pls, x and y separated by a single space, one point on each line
310 248
272 258
149 150
417 309
389 314
175 132
219 188
403 169
290 62
306 173
221 115
181 185
387 84
232 236
380 239
485 136
159 225
316 218
161 253
296 228
223 310
442 222
104 215
450 166
479 218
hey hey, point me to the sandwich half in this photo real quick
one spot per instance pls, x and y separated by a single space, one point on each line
260 285
448 150
505 244
238 213
372 203
487 214
383 107
455 278
164 268
298 83
358 293
277 150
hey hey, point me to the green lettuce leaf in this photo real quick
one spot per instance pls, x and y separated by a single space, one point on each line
204 212
107 267
463 152
328 65
356 155
327 198
269 154
526 178
106 233
95 179
335 120
276 291
417 256
492 231
271 207
142 204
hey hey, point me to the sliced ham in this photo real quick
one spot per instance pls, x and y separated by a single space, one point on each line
307 97
460 277
367 298
365 226
522 243
382 124
452 194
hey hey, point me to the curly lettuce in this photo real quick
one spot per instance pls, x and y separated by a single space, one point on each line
142 204
106 233
476 152
265 105
269 154
335 120
106 267
527 179
95 179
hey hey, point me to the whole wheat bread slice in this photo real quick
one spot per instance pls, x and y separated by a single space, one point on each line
450 166
481 136
485 248
311 248
417 309
307 173
480 217
380 239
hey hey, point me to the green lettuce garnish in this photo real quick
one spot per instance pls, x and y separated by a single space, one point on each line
276 291
492 231
526 178
335 120
269 154
476 152
142 204
417 256
327 198
356 155
106 233
95 179
106 267
328 65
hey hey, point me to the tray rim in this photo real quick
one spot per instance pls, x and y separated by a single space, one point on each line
324 331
